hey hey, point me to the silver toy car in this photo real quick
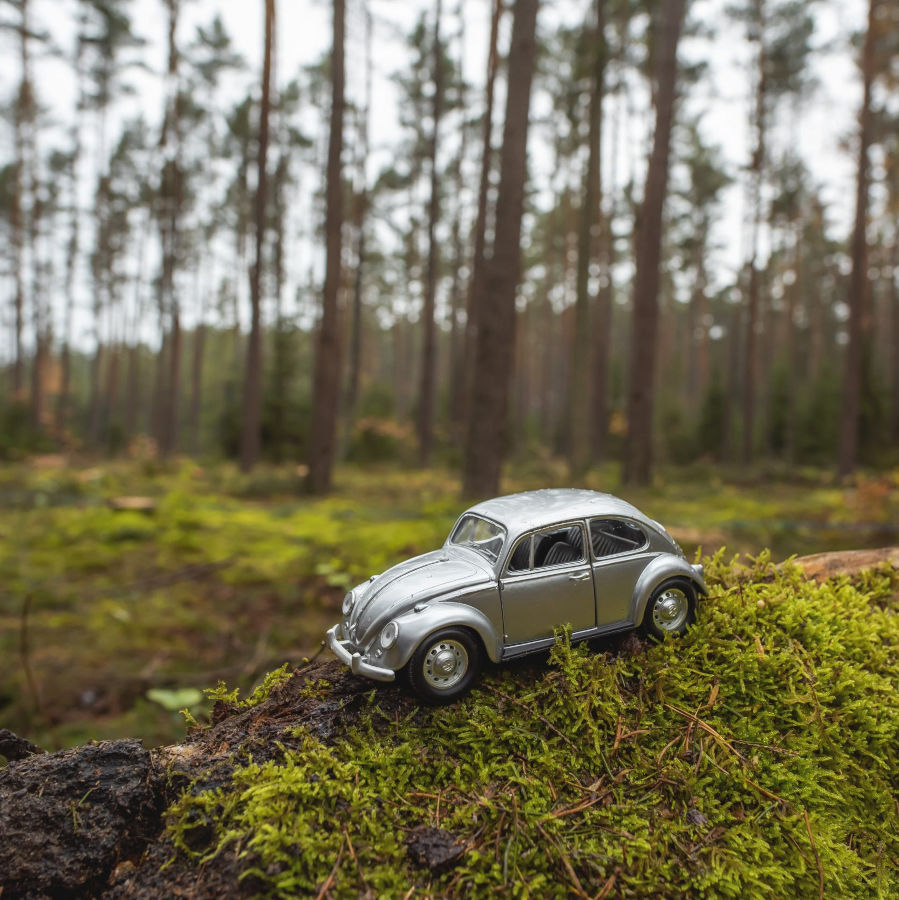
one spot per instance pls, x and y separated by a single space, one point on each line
513 570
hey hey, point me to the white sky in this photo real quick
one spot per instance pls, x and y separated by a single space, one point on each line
304 33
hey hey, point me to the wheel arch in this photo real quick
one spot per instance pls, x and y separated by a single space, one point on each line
662 569
415 628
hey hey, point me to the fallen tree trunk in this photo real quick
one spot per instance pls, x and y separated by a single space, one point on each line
90 821
822 566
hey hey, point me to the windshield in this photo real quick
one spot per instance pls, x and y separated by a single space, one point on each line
486 537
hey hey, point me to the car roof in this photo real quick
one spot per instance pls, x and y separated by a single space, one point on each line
533 509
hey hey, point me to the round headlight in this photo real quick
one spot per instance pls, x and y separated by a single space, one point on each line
348 602
389 633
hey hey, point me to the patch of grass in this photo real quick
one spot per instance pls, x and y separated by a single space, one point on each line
758 756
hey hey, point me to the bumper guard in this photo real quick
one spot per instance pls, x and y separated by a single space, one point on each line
354 660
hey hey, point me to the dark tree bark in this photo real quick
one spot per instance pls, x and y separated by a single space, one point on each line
326 378
581 403
794 295
360 213
638 455
757 169
496 303
555 260
172 200
697 345
352 393
858 325
132 389
476 278
72 250
602 331
250 438
429 342
456 350
196 394
360 210
281 366
19 226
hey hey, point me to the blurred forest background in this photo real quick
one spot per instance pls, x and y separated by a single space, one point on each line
215 290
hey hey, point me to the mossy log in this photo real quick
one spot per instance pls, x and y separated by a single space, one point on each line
115 820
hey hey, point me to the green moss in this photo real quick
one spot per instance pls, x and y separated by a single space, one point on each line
754 757
260 695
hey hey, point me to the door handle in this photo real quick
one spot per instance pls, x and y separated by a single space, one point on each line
582 577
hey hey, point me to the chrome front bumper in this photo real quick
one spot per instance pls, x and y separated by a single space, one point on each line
354 660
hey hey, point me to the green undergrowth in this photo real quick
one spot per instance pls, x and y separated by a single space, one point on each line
260 695
756 757
108 615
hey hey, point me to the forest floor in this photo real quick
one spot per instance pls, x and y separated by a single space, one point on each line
755 756
116 612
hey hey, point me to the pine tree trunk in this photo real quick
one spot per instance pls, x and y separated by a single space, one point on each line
250 438
638 456
581 404
352 394
19 211
478 257
280 348
132 389
326 380
496 304
698 332
457 352
172 191
850 418
429 326
173 385
361 210
65 355
196 394
757 168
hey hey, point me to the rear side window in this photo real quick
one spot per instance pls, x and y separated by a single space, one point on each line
611 536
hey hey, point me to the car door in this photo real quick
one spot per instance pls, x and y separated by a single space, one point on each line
621 552
547 583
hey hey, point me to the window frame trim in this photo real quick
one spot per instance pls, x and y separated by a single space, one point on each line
530 535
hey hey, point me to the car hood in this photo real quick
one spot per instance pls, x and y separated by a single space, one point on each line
421 578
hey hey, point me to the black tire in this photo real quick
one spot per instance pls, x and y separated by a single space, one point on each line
671 608
434 671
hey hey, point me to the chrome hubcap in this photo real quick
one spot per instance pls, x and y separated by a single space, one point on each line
669 612
445 665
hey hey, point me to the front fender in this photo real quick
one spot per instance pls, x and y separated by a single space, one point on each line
661 569
416 626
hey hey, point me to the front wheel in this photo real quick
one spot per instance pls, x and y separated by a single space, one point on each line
445 665
671 608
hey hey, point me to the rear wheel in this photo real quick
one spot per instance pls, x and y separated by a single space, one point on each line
445 665
671 608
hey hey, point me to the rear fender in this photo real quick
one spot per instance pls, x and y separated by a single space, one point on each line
661 569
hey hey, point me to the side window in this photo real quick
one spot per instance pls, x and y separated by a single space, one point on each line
520 560
557 546
611 536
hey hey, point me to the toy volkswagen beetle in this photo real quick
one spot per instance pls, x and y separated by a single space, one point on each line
512 570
